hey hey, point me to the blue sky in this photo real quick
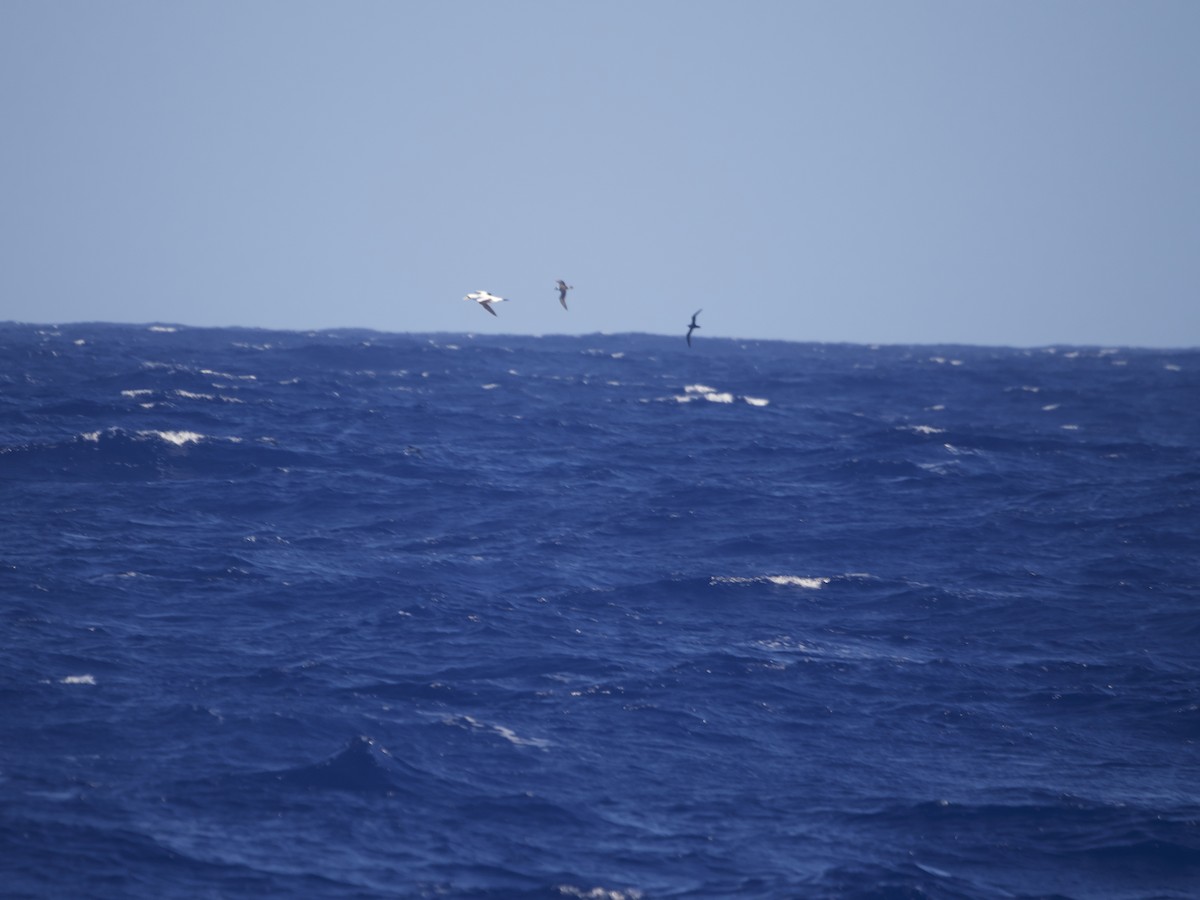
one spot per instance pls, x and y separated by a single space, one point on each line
1018 173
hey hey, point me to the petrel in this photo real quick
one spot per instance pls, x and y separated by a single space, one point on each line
693 326
484 299
563 287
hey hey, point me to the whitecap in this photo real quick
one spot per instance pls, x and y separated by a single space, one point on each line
925 429
167 329
708 393
178 438
1172 367
597 893
1050 407
756 401
229 375
811 584
1069 427
803 581
140 392
78 679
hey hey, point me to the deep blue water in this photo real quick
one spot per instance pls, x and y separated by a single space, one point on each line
351 614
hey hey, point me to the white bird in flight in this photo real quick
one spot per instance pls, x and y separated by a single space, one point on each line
484 299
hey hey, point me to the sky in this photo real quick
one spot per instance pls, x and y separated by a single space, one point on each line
932 171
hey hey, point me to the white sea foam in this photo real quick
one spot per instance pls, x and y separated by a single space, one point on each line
846 648
801 581
1050 407
507 733
1172 367
925 429
167 329
228 375
711 394
78 679
139 392
939 873
597 893
811 584
178 438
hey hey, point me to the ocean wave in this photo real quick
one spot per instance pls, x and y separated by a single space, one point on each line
314 614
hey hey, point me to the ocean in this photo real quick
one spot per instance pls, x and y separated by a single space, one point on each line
349 614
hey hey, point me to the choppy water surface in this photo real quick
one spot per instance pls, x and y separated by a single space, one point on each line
350 614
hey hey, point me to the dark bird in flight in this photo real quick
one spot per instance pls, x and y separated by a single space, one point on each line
563 287
693 326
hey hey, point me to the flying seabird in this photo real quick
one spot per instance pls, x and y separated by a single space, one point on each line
563 287
693 326
484 299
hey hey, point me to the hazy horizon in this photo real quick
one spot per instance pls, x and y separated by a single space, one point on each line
918 173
